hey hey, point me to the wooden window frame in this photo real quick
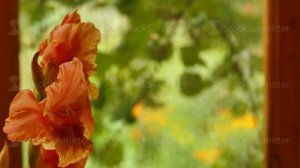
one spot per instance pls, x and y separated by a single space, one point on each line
282 92
9 72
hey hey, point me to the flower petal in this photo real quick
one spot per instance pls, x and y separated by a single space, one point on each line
71 18
79 164
72 146
25 119
89 38
59 49
66 96
70 153
49 159
73 40
93 91
87 120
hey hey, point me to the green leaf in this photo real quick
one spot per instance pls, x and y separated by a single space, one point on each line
190 56
112 154
159 50
191 83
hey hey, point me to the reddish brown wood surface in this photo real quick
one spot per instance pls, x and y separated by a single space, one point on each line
282 46
9 47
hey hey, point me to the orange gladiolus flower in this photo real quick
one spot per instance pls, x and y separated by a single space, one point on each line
68 40
61 122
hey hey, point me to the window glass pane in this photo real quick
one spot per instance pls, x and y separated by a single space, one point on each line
181 81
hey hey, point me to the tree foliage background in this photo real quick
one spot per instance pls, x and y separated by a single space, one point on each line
181 81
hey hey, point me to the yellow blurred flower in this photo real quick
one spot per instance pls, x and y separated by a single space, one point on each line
136 110
147 116
247 121
154 120
208 156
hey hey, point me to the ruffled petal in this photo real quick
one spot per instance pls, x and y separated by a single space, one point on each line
71 18
66 96
87 120
59 49
25 119
93 91
89 37
71 146
79 164
70 153
73 40
49 159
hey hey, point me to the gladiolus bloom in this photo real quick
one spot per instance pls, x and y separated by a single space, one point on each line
70 39
61 122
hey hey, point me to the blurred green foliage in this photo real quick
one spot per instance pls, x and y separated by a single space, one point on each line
181 82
